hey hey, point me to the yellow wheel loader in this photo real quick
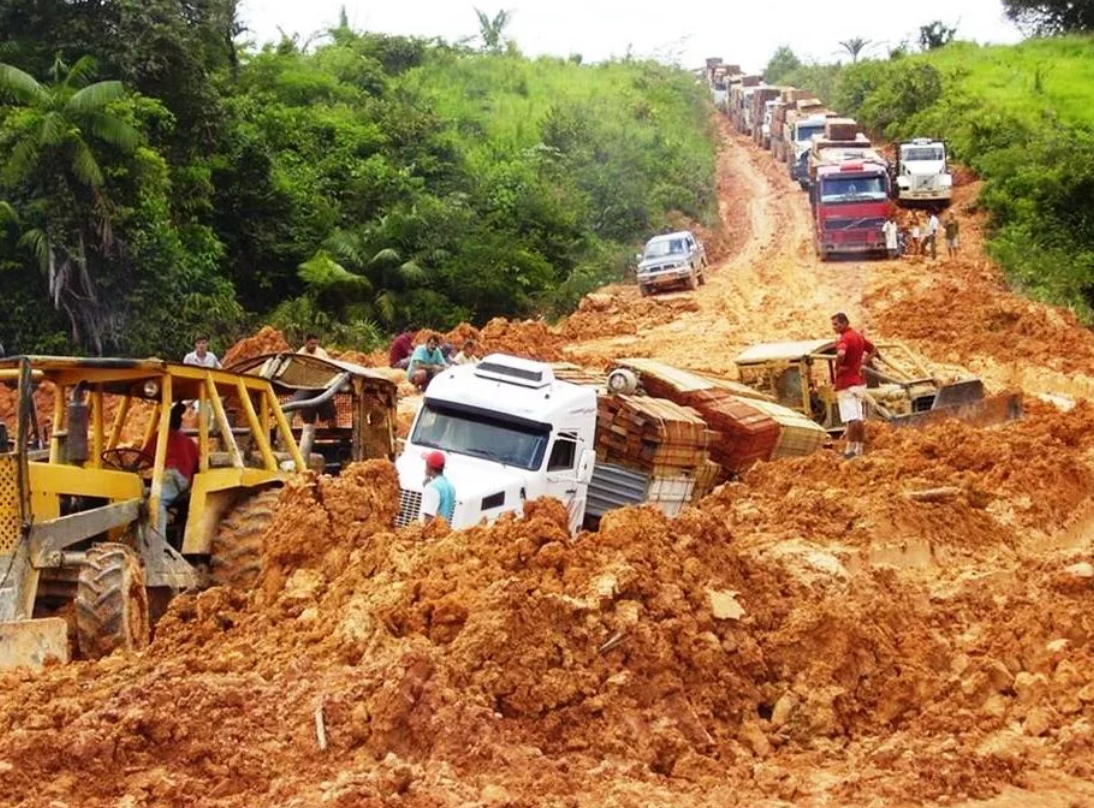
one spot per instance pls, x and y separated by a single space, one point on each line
80 515
900 389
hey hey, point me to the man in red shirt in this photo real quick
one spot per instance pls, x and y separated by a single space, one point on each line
401 349
179 468
852 352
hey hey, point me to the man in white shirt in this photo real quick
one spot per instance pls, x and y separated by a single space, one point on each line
312 348
890 231
932 234
201 355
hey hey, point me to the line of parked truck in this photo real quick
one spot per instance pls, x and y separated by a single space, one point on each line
852 185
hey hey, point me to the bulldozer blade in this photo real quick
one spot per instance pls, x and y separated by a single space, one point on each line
978 412
959 394
31 643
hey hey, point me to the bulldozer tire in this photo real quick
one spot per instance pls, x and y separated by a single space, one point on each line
111 602
235 557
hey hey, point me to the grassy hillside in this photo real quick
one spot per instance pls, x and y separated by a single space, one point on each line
1039 77
1022 116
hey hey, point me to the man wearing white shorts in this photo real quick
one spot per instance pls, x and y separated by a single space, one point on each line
852 352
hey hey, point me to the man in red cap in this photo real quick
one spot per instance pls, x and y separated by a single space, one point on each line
438 497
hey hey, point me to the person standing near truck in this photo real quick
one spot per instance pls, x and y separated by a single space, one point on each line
201 356
932 234
438 496
890 231
917 238
853 351
952 238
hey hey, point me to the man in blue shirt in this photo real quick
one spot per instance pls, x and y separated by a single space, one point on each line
425 363
438 497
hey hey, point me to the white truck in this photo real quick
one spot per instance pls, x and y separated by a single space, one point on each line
799 136
512 432
922 174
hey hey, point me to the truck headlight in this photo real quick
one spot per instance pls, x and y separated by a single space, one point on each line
945 181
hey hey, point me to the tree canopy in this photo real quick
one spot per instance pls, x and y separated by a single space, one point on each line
173 181
782 62
1048 17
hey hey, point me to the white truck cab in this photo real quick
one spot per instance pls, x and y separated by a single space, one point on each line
510 432
922 174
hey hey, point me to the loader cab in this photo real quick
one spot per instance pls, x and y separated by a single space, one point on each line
82 481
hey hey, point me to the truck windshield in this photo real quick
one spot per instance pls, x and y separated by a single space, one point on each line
807 132
480 436
852 189
659 249
913 153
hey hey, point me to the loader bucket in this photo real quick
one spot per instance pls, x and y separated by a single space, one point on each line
31 643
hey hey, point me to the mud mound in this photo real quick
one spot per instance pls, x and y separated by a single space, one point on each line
966 313
601 315
44 395
267 340
665 644
997 486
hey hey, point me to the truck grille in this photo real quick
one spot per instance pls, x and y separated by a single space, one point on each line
410 507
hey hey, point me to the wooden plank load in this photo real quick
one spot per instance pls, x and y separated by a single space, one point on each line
746 434
798 435
686 388
841 129
651 434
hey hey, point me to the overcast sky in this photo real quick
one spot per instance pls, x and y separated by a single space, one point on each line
674 30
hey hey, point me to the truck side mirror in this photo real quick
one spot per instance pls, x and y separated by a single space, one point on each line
585 467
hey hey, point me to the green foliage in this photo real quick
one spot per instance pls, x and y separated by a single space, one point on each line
1048 17
782 62
936 35
855 46
347 189
1027 130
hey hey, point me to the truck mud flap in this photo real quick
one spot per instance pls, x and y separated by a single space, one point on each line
983 412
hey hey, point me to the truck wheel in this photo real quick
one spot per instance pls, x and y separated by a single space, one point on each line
235 556
643 290
111 602
692 282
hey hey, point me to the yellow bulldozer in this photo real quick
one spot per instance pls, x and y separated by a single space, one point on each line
80 516
900 388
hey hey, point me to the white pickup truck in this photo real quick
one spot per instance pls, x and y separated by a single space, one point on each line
672 258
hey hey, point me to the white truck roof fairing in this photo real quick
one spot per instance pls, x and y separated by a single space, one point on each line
517 387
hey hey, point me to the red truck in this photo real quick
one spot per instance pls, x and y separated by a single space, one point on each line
850 206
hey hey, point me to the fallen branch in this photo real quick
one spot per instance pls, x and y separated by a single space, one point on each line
320 728
943 494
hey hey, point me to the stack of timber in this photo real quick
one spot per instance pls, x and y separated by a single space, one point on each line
651 434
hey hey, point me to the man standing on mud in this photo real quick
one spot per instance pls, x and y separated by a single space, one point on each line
438 496
952 231
932 234
852 352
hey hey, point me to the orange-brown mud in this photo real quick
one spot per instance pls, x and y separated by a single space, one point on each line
912 628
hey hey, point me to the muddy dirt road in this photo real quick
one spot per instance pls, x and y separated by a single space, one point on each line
813 635
772 286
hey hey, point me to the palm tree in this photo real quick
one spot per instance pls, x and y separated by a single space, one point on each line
491 30
855 46
51 163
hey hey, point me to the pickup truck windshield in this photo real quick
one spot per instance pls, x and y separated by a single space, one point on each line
659 249
806 132
852 189
480 436
922 153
